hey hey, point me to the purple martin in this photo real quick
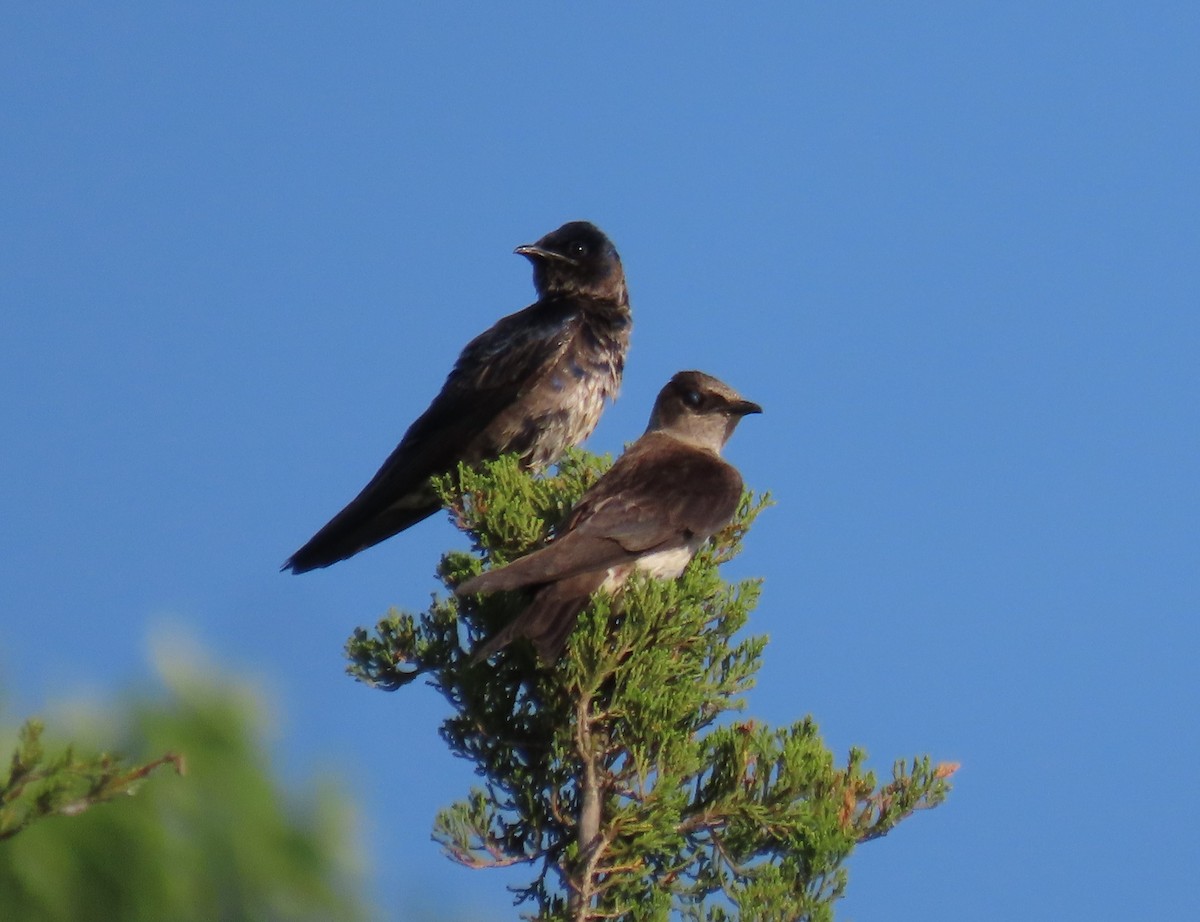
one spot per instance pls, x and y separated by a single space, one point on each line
534 384
663 498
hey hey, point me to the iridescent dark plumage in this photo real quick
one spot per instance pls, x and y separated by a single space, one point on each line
534 384
663 498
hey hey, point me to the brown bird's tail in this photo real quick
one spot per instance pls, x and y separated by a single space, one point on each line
548 621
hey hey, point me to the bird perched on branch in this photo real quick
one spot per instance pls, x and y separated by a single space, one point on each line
534 384
662 499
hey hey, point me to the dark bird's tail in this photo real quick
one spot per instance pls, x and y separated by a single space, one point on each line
356 528
548 621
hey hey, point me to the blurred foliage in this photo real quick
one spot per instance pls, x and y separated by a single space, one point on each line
223 843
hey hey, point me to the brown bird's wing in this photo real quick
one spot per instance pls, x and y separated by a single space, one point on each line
494 371
659 494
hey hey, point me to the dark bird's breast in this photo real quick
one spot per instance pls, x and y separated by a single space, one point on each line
561 406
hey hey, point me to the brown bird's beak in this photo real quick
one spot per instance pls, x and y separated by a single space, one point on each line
744 407
533 251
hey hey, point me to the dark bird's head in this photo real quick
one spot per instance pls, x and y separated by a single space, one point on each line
576 259
698 409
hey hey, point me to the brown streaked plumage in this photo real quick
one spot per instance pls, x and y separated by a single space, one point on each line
662 499
534 384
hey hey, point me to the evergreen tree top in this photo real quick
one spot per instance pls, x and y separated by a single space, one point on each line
623 775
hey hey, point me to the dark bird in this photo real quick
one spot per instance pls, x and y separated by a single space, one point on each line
534 384
653 509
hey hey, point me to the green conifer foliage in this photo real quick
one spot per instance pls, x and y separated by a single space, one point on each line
623 775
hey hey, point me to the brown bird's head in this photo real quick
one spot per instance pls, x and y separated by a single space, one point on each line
698 409
576 259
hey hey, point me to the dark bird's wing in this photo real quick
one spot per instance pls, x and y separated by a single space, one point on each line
494 372
659 495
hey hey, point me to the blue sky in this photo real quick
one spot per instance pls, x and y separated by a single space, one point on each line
951 248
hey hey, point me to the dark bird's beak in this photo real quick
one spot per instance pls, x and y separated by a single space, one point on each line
744 407
533 251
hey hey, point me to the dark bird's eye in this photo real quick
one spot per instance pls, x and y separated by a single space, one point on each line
578 249
692 398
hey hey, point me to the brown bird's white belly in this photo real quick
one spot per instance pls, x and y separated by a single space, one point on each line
665 564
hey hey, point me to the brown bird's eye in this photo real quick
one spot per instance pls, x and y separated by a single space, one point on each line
692 398
578 249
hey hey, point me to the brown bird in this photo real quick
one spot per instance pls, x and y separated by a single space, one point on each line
653 509
533 384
